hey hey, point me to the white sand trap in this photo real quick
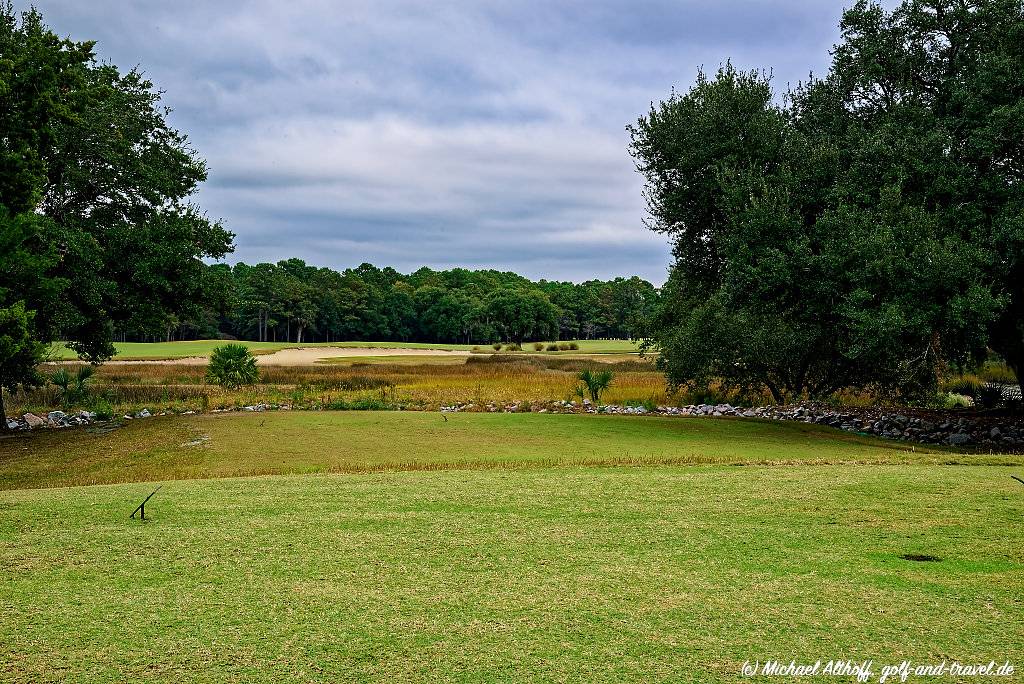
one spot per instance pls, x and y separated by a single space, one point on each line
307 356
304 356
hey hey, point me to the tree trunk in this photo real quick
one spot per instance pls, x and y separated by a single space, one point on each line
776 393
1015 361
3 414
298 335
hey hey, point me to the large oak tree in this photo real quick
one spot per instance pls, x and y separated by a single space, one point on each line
96 224
861 232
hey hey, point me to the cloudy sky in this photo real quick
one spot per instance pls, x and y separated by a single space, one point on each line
477 134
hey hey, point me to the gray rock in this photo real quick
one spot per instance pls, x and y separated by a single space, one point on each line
995 432
144 413
32 420
959 438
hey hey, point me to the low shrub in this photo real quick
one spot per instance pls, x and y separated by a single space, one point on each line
359 404
594 383
513 347
103 410
951 400
998 372
496 346
73 389
966 385
538 346
563 346
988 397
573 346
232 366
647 404
552 347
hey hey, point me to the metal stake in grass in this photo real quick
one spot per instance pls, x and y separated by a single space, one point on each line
142 506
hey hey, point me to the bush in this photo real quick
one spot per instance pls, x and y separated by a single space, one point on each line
513 347
998 372
232 366
552 347
538 346
594 383
951 400
103 409
573 346
563 346
988 397
72 390
966 385
496 346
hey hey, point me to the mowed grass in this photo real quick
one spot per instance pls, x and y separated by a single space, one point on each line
228 445
184 349
658 574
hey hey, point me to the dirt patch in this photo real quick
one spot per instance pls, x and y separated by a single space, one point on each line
920 557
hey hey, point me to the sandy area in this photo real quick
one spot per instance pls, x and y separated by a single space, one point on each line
307 356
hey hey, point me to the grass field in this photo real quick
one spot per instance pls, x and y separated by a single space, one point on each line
179 350
560 574
502 573
229 445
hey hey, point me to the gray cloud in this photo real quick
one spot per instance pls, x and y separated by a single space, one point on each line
480 134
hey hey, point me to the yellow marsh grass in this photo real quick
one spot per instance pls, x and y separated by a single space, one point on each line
500 379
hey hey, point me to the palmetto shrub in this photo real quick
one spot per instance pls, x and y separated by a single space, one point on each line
552 347
538 346
965 385
232 366
73 389
594 383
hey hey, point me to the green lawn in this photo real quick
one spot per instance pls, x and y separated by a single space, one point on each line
553 575
497 548
317 442
179 350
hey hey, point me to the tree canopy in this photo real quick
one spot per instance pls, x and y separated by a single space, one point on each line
96 222
862 231
295 302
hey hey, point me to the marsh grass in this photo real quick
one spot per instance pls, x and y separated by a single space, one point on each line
480 379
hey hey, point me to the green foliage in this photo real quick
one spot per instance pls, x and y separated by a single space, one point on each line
513 347
966 385
95 176
552 347
594 383
19 352
858 234
73 390
573 346
232 365
283 301
538 346
995 371
103 410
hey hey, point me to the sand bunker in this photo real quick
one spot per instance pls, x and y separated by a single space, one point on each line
307 356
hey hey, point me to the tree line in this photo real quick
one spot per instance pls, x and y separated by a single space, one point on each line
292 301
864 230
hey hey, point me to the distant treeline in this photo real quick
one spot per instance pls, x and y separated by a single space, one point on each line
291 301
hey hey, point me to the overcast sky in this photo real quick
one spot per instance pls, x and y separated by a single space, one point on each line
477 134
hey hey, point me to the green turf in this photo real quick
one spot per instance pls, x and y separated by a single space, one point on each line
178 350
315 442
657 574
